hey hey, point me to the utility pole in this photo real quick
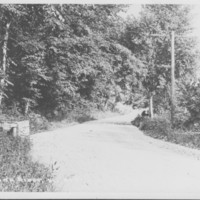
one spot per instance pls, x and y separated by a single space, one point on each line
172 75
172 78
151 105
172 69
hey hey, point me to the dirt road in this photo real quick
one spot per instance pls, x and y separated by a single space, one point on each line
112 159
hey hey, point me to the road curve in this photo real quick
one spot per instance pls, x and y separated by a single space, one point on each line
110 158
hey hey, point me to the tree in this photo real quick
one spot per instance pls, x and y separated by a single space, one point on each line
61 57
8 13
82 55
142 37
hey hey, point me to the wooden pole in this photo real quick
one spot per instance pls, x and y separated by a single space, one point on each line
151 105
172 78
27 107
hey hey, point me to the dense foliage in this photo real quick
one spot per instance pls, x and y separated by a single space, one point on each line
60 57
158 125
59 61
149 38
160 128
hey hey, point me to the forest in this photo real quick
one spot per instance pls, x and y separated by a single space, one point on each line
63 61
59 59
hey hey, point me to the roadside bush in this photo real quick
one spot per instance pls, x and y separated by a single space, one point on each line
11 113
181 118
158 126
84 117
18 173
80 114
189 139
195 127
137 121
37 122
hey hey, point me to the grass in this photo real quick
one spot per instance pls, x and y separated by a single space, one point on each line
18 173
160 128
188 139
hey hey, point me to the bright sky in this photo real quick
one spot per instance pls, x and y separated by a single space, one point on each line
196 19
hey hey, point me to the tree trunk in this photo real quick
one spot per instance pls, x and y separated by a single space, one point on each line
27 107
151 105
5 44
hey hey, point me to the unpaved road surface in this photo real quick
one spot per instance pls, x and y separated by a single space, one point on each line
110 158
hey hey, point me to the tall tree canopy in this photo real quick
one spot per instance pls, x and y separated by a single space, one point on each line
55 58
149 38
59 57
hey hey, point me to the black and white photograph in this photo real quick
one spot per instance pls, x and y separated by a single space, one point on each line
100 100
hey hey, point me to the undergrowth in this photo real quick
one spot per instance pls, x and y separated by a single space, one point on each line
18 173
160 128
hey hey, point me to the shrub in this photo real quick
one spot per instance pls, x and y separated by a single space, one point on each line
11 114
181 118
189 139
80 115
137 121
37 122
158 126
18 173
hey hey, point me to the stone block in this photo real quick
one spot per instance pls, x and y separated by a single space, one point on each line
21 128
